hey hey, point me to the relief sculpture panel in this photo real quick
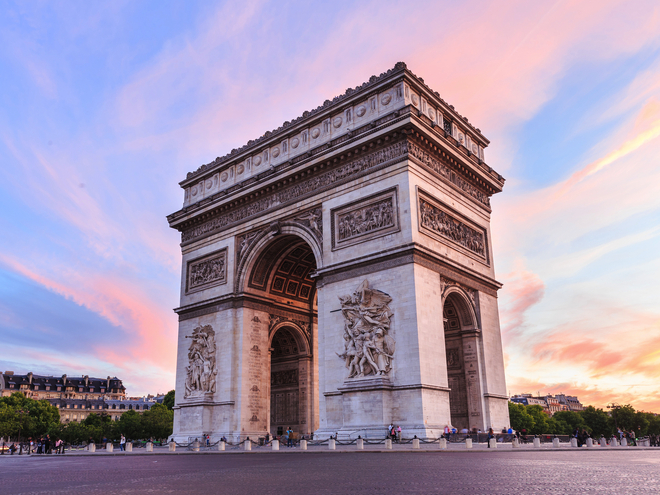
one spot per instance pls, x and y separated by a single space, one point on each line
201 370
365 219
368 345
436 220
206 272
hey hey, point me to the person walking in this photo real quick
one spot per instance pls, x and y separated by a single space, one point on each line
390 429
447 432
289 441
398 434
208 440
47 447
122 443
491 434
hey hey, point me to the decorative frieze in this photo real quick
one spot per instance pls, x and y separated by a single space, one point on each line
445 172
365 219
209 271
436 220
314 184
312 220
201 370
286 377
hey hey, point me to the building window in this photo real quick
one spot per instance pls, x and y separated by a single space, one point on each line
11 386
137 408
36 387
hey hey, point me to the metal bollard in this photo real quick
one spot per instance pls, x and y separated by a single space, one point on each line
492 443
247 444
150 447
590 442
537 443
195 446
388 443
468 443
555 443
91 447
624 442
515 443
442 444
275 445
128 446
415 443
221 445
573 442
360 444
331 444
172 446
303 445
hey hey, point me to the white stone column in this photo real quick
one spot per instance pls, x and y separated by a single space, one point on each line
442 444
624 442
331 444
172 446
221 445
388 443
359 444
415 443
109 447
91 447
515 443
129 447
537 443
555 443
590 442
150 447
247 444
275 445
603 442
573 442
468 443
195 446
492 443
303 444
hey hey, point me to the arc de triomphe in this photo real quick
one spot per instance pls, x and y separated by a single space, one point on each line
338 275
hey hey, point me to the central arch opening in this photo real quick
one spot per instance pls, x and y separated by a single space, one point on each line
282 276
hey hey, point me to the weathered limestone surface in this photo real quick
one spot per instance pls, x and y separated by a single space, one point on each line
337 276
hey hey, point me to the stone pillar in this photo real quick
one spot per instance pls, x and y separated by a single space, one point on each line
624 442
388 443
275 444
613 442
468 443
109 447
590 442
195 446
360 444
573 442
221 445
442 444
172 446
555 443
415 443
515 443
303 445
603 442
247 444
150 447
537 443
91 447
129 446
331 444
492 442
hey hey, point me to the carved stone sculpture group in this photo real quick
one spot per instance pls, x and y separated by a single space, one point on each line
439 222
201 370
368 348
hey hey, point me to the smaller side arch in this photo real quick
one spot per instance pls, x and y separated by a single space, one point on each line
464 305
298 333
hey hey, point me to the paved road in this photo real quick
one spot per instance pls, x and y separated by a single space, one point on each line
478 472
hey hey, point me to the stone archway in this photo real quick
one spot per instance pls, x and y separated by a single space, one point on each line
280 274
463 361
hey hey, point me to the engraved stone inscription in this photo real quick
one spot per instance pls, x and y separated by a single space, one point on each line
439 222
366 219
207 272
201 371
256 397
368 346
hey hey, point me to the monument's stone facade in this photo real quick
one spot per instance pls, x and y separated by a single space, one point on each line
338 275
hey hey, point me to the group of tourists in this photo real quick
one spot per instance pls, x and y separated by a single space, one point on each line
394 433
42 445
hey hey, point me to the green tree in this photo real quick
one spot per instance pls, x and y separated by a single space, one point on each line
168 401
157 422
654 424
540 420
520 418
571 419
32 418
598 422
130 424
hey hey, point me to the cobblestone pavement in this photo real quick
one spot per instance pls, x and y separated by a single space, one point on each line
476 472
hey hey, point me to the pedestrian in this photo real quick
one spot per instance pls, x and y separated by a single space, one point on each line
389 431
12 448
289 441
40 445
398 434
47 446
267 438
447 431
122 443
491 434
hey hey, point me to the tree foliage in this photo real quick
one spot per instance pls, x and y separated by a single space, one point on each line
28 417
